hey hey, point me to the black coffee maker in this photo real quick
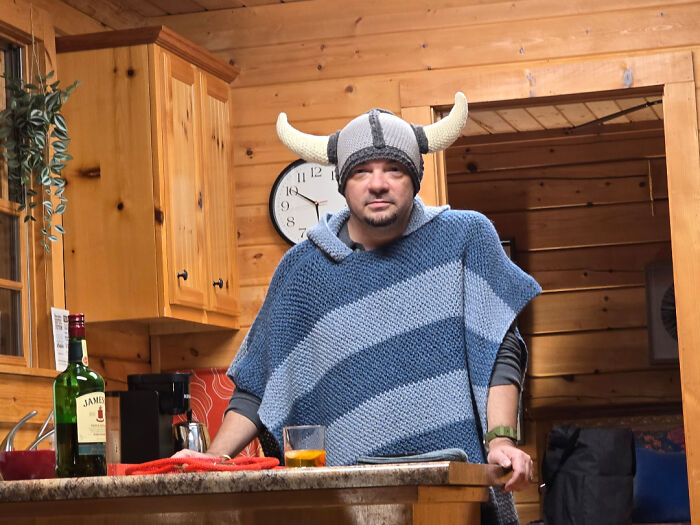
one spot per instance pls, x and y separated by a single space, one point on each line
146 412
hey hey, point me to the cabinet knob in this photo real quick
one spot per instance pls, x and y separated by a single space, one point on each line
183 275
219 283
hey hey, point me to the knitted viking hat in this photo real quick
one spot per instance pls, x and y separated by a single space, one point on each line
377 134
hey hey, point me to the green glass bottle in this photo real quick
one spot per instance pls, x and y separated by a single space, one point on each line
79 411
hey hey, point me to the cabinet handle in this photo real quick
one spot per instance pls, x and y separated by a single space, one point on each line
183 275
219 283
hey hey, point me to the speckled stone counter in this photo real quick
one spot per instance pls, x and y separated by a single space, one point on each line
384 494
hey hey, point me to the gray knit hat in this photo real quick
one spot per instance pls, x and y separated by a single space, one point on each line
377 134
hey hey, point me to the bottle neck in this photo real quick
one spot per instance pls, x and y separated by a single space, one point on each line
77 351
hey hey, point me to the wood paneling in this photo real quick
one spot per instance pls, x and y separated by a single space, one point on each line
518 42
684 201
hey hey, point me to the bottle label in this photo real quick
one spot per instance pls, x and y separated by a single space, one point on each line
85 359
90 415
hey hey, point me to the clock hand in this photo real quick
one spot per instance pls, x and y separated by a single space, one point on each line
305 197
318 217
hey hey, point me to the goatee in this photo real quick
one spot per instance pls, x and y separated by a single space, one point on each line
382 221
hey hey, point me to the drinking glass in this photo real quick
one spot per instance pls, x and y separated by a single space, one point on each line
305 446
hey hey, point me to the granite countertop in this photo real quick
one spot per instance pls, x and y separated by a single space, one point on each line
415 474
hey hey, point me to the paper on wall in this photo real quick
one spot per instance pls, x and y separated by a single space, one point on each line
59 320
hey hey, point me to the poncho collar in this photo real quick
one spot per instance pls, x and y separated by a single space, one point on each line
325 234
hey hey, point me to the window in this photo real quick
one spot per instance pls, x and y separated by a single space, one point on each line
14 297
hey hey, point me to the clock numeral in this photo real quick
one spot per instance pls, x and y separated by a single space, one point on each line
301 177
291 190
303 233
284 205
334 174
316 172
290 222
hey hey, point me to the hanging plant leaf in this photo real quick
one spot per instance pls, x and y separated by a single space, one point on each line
33 117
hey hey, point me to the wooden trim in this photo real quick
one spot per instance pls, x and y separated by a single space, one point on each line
159 35
8 284
544 78
683 172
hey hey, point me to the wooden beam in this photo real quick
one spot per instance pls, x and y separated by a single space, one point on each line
286 23
111 14
522 42
545 78
683 161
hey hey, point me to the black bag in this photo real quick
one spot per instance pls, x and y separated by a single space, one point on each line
588 475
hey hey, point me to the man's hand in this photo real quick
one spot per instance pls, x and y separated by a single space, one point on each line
186 453
503 452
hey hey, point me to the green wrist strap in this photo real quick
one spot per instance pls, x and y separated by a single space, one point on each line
501 431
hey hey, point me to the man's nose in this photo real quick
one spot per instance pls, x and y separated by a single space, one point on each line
378 180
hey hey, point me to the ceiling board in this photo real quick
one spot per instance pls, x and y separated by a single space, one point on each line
639 115
177 7
520 119
603 108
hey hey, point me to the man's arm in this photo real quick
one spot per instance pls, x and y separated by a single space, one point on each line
235 433
502 409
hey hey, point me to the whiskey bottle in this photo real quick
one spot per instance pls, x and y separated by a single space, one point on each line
79 411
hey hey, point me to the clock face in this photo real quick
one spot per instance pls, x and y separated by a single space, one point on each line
302 193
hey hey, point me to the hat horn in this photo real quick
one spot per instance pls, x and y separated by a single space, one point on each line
444 132
312 148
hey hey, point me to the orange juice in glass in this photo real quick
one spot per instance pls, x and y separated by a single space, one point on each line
304 446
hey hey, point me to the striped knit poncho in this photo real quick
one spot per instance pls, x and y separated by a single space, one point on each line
389 348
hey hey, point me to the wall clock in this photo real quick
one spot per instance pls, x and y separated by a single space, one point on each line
302 193
661 312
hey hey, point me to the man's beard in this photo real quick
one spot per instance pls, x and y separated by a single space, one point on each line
383 221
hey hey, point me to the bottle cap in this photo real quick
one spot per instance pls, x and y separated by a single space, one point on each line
76 326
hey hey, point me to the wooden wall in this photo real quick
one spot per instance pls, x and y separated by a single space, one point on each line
586 213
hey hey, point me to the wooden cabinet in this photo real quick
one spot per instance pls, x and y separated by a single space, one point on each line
150 231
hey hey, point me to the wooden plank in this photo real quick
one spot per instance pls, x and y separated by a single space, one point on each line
680 119
549 116
106 12
20 394
551 152
603 108
343 98
520 119
254 226
578 227
585 310
596 267
68 20
254 182
275 24
257 263
114 371
260 144
623 388
509 193
591 352
576 113
516 42
593 170
128 341
552 77
491 121
206 350
174 7
639 115
252 298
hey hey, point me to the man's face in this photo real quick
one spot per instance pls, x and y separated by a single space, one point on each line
379 192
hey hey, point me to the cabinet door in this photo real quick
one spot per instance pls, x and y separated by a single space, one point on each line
219 185
182 182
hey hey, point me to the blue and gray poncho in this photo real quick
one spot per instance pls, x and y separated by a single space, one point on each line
391 349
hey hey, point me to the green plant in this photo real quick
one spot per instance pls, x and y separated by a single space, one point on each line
28 125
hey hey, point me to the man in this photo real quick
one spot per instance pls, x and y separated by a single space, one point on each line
393 323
